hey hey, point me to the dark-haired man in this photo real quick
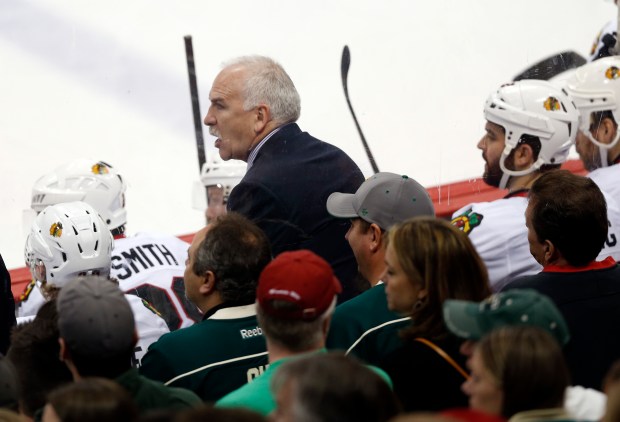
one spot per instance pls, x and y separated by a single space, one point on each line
566 218
226 349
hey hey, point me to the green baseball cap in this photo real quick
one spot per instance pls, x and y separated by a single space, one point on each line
473 320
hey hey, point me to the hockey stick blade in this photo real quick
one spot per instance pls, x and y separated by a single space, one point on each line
193 88
345 63
552 66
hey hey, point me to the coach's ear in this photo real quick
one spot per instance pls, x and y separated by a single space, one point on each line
208 284
262 116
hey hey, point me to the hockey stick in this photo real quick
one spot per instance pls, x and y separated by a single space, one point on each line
552 66
193 88
344 69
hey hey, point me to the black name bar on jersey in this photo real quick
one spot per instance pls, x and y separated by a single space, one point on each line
141 258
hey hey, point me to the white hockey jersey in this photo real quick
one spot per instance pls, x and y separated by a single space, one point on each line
497 230
151 266
149 324
606 178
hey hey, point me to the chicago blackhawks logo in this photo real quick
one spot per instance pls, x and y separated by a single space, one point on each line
100 168
467 221
56 229
552 104
150 307
27 290
612 73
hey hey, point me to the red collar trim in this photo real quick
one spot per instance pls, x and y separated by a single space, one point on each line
520 192
594 265
119 236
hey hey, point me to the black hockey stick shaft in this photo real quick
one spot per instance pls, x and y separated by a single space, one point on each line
193 88
345 63
552 66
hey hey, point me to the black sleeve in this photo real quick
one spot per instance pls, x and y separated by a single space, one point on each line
7 308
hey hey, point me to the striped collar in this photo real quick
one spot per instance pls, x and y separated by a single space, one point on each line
235 312
257 148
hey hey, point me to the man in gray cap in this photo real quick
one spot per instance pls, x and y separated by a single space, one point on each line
364 326
97 337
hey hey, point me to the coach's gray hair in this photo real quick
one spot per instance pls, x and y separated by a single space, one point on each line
268 83
294 335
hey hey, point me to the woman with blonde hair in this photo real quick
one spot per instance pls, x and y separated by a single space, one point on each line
428 261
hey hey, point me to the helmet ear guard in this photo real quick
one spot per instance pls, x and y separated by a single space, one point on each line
538 109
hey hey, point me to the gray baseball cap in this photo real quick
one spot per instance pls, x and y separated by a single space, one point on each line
384 199
473 320
94 318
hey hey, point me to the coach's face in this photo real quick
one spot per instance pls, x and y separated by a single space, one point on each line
192 280
227 118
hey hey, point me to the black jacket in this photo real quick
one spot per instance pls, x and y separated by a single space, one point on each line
285 192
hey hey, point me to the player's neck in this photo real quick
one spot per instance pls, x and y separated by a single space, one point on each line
522 182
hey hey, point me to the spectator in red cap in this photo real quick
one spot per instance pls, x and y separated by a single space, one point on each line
296 297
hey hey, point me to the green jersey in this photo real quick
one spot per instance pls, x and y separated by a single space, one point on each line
152 395
212 357
257 396
365 327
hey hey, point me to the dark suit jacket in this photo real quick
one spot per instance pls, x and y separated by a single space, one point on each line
285 192
7 308
590 303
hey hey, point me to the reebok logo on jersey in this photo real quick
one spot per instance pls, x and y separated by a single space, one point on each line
467 221
255 332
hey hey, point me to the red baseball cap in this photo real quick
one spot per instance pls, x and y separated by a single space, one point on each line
301 278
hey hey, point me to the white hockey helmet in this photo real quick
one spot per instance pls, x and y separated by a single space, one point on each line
596 87
70 239
223 174
535 108
90 181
